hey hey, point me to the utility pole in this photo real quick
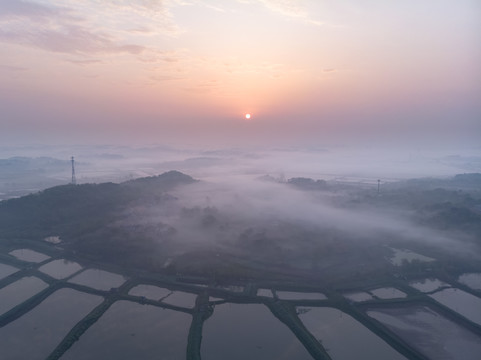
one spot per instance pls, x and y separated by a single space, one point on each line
378 185
74 180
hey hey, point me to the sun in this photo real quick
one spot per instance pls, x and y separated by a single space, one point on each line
248 116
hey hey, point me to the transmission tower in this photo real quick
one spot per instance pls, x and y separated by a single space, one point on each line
74 180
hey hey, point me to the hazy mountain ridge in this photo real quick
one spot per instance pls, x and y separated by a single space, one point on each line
146 221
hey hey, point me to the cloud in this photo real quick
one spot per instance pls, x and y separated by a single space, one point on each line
85 62
289 8
70 26
70 40
28 9
13 68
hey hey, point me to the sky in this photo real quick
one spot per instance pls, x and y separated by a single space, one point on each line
185 72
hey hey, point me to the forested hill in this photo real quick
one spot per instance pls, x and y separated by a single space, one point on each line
74 210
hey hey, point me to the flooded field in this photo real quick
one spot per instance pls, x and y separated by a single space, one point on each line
180 298
98 279
345 338
358 296
401 255
388 293
289 295
264 292
149 291
19 291
60 269
430 333
131 331
239 332
472 280
460 301
45 326
428 285
6 270
29 255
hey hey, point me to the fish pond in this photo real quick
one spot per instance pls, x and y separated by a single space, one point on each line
344 337
430 333
46 325
248 331
129 330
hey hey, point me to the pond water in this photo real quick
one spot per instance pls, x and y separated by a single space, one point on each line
388 293
19 291
60 269
29 255
6 270
430 333
400 255
472 280
345 338
358 296
98 279
428 285
290 295
36 334
233 288
248 331
460 301
129 330
264 292
180 298
149 291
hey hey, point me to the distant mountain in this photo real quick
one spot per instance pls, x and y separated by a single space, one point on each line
22 164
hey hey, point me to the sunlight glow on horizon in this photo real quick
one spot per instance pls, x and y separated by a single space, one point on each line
160 68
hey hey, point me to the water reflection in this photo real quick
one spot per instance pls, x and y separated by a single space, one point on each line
149 291
428 285
180 298
430 333
472 280
344 337
358 296
289 295
400 256
463 303
250 331
131 331
388 293
29 255
19 291
60 269
98 279
34 335
6 270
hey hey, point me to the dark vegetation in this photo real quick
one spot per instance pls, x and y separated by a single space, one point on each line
115 223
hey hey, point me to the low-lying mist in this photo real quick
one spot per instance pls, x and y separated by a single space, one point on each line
298 208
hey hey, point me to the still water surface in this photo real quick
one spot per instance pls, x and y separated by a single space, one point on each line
19 291
29 255
345 338
36 334
430 333
460 301
248 331
472 280
130 331
6 270
149 291
98 279
290 295
60 269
